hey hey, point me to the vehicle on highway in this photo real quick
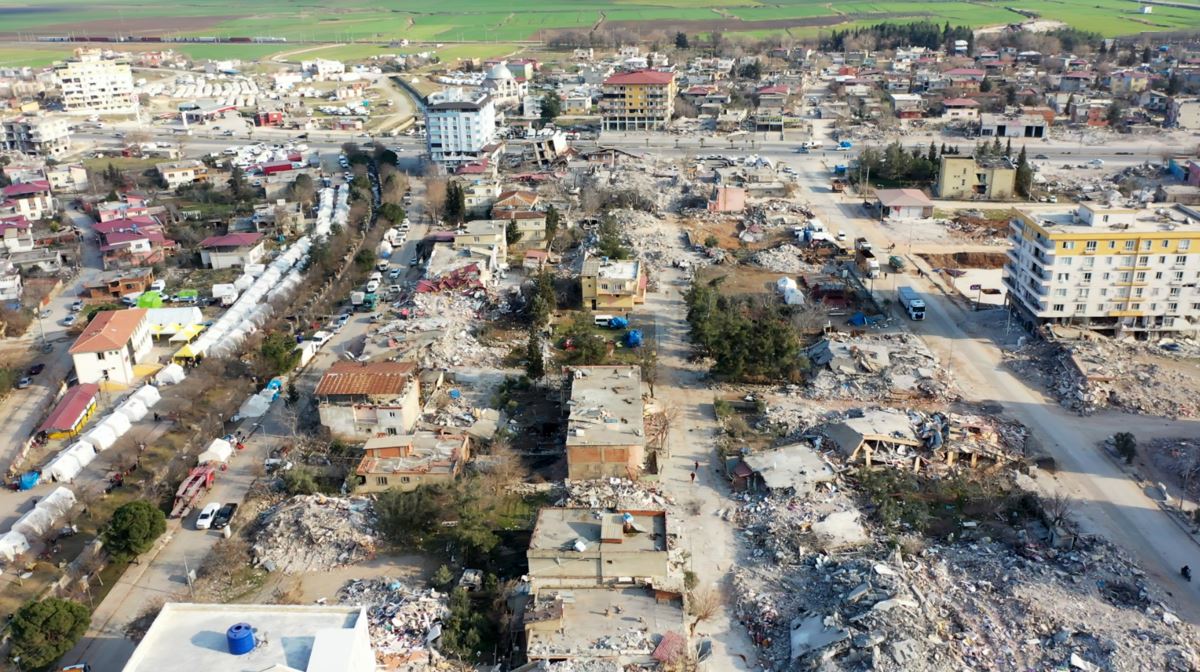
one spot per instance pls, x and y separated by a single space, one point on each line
35 369
24 382
1042 157
224 516
1096 163
68 320
205 519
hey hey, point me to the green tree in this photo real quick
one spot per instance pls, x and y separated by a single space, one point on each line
456 203
1115 112
587 347
535 363
237 184
553 221
1008 147
364 260
279 353
711 241
293 394
1174 84
442 578
465 630
1010 95
681 40
133 529
1126 446
303 189
512 234
392 212
544 300
44 630
610 244
751 70
299 481
1024 176
985 86
409 517
933 152
551 106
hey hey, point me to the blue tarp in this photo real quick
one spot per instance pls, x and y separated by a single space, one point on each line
618 323
29 479
634 338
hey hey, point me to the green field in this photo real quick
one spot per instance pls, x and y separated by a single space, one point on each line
384 21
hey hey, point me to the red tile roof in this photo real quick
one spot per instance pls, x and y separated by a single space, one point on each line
109 330
27 188
960 102
641 77
965 72
356 379
231 240
141 223
71 408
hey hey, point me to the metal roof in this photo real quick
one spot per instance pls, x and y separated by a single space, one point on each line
370 379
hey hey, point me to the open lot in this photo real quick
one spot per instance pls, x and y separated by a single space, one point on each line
478 21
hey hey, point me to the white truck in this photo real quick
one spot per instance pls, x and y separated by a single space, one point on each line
913 304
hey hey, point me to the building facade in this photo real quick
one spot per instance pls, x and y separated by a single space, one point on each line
612 286
1184 113
110 345
966 178
1110 269
93 84
45 137
459 126
406 462
357 401
638 101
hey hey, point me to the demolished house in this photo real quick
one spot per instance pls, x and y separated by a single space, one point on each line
797 467
912 440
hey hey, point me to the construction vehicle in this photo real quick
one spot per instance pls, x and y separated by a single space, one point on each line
838 185
913 304
868 265
198 482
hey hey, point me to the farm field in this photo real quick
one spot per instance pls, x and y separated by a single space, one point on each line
384 21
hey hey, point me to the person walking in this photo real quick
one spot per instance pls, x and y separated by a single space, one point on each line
693 478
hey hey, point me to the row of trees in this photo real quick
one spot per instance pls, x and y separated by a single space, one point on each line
748 341
892 35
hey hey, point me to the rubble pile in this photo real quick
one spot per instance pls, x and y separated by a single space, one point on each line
1180 460
876 367
440 332
311 533
399 619
786 258
970 605
655 242
618 493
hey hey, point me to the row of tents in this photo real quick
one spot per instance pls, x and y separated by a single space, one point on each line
71 460
36 523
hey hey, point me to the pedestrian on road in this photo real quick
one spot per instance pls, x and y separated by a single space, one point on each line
697 466
693 478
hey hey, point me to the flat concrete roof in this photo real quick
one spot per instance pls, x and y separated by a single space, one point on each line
1145 220
593 627
559 528
606 407
611 269
192 637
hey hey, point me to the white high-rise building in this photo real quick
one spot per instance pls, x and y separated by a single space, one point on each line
459 125
46 137
93 84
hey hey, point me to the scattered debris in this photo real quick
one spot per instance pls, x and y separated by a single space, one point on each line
315 533
786 258
614 493
402 620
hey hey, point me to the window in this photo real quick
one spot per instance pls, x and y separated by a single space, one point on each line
1141 276
1158 275
1081 307
1127 260
1063 277
1184 244
1166 243
1172 307
1181 259
391 431
1106 276
1089 262
1103 291
1087 277
1177 276
1162 259
99 355
1142 261
1138 292
381 480
1058 307
1090 246
1083 293
405 479
1130 245
1123 276
1068 245
1147 244
1112 244
1174 291
1061 291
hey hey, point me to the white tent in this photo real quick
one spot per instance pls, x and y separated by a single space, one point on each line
118 423
63 467
132 409
102 438
13 544
255 406
35 523
148 395
218 451
82 451
171 374
58 503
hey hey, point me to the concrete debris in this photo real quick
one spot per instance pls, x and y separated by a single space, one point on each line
876 367
440 332
615 493
401 620
786 258
656 242
1179 460
313 533
839 530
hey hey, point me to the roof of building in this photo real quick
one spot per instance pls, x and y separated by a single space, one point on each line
306 638
231 240
26 188
526 197
71 408
108 278
641 77
1143 221
374 379
960 102
108 330
611 269
483 227
562 528
121 238
965 72
139 223
185 164
499 71
875 424
591 630
903 198
606 407
797 466
420 453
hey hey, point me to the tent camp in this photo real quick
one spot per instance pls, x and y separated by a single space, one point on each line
171 374
63 467
148 395
13 544
218 451
119 424
132 409
82 451
58 503
35 523
102 438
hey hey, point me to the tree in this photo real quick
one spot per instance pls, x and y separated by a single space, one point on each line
456 203
44 630
551 106
1008 147
237 183
1115 112
751 70
512 234
681 40
1010 95
299 481
610 244
1174 84
933 152
435 196
1147 55
1126 446
535 363
985 85
544 300
279 353
392 212
648 361
553 221
364 260
442 578
1024 176
133 529
303 190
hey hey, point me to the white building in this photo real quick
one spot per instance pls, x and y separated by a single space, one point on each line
238 637
1105 268
10 281
459 125
321 68
110 345
36 136
502 85
92 84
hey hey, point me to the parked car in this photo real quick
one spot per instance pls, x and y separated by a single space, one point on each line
77 306
205 519
36 369
24 382
224 516
158 285
68 320
45 312
394 273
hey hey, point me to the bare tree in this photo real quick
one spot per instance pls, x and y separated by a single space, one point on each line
703 604
435 197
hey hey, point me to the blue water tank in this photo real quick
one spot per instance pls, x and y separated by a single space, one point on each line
241 638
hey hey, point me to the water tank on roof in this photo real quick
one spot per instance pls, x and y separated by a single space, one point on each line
240 637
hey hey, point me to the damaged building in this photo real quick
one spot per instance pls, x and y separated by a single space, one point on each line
357 401
605 432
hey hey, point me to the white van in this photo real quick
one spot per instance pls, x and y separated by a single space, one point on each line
602 320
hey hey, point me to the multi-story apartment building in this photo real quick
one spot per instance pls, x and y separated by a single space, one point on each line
459 126
968 177
1106 268
611 286
93 84
637 101
46 137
